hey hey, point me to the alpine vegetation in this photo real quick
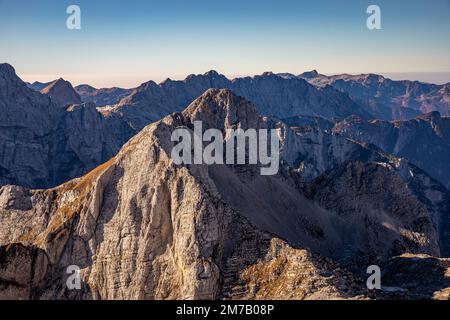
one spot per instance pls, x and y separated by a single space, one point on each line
236 150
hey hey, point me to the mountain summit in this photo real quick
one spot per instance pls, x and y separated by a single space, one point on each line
7 71
9 82
62 93
309 74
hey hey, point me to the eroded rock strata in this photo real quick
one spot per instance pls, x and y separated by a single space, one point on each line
141 227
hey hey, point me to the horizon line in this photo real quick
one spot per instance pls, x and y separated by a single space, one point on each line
89 79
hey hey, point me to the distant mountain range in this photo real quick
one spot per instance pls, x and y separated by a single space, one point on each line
375 96
101 97
68 141
283 96
273 95
384 98
86 179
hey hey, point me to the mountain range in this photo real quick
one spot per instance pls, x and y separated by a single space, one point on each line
386 98
92 184
71 155
142 227
287 97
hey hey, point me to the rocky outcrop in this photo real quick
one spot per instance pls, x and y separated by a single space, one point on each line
141 227
15 198
22 268
285 273
415 277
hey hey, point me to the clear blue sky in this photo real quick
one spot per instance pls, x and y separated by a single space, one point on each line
128 42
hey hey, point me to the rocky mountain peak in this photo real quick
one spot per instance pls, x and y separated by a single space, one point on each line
374 78
8 78
212 73
148 85
210 79
13 90
85 88
223 109
7 71
309 74
62 93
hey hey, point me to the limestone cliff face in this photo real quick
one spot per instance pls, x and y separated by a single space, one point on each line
42 143
141 227
419 140
26 117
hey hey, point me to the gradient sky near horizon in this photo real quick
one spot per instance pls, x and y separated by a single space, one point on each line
124 43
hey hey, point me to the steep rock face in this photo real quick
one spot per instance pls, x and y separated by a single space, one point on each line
317 153
141 227
43 144
425 141
285 273
385 199
15 198
387 98
85 139
166 241
27 117
146 104
62 93
314 153
21 269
